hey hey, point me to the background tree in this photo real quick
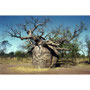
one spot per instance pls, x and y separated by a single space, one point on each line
88 47
3 47
45 47
19 55
11 54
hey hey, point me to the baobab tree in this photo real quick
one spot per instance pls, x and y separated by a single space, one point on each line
45 47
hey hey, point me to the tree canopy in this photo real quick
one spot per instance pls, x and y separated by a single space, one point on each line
34 29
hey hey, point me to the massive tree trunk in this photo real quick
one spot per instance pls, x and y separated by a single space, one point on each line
43 57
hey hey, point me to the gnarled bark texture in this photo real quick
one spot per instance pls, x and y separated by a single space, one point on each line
43 57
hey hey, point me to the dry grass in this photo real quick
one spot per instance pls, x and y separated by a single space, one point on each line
15 60
27 69
24 66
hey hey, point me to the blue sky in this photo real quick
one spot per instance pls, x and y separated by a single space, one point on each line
66 21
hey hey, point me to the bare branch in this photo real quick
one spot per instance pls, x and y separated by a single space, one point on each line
40 24
49 42
17 34
23 26
65 49
41 31
78 30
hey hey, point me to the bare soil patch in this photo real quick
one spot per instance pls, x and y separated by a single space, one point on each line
28 69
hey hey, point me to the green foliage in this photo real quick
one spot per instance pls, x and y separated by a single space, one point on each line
88 47
4 45
19 54
11 54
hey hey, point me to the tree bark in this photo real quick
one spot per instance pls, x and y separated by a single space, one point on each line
43 57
